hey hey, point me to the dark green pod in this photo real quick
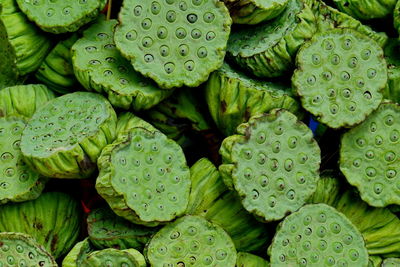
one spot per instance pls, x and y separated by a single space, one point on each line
8 68
78 254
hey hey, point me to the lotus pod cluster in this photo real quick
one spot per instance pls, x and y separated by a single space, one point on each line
53 220
174 42
250 260
17 249
107 230
100 67
273 164
191 241
233 98
24 100
369 156
254 11
268 50
8 70
340 76
392 89
366 9
317 235
65 137
61 16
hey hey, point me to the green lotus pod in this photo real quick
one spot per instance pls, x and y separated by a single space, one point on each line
127 121
369 156
30 46
18 182
249 260
56 70
175 43
233 98
273 164
374 261
317 235
392 89
391 262
340 75
8 68
144 177
65 137
328 190
22 250
114 76
115 257
78 254
53 219
24 100
268 49
367 9
61 16
107 230
254 11
191 241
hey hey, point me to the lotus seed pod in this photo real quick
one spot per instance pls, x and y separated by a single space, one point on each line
61 16
107 230
233 98
191 241
328 190
340 76
391 262
273 164
8 68
175 43
127 121
317 235
249 260
366 9
24 100
254 11
374 261
53 219
268 50
18 182
392 89
78 254
369 156
29 45
65 137
23 250
56 70
100 67
115 257
144 177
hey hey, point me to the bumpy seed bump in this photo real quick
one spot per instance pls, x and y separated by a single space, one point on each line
65 137
115 257
61 16
151 39
150 197
289 180
365 10
324 246
358 89
199 243
377 173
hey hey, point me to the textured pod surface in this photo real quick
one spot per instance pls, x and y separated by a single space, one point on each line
24 100
22 250
317 235
366 9
144 177
107 230
66 136
17 182
249 260
78 254
191 241
233 98
370 156
100 67
392 89
174 42
53 219
115 257
340 76
268 49
273 164
61 16
127 121
8 68
391 262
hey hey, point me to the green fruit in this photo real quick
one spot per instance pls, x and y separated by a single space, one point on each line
18 182
8 68
175 43
114 76
273 164
191 241
61 16
317 235
268 49
24 100
249 260
78 254
340 76
369 156
127 121
392 89
115 257
391 262
22 250
233 98
144 177
66 136
366 9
